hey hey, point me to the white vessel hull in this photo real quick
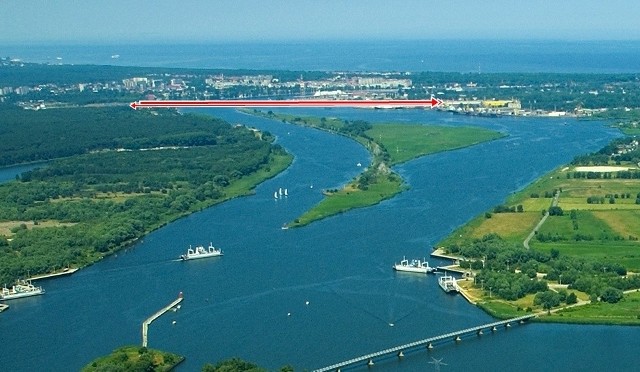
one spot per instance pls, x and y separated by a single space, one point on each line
448 284
409 269
20 295
415 266
201 252
20 290
198 256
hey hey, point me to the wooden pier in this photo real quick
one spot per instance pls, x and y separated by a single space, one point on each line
145 324
369 359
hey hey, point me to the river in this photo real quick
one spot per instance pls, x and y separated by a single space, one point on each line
317 295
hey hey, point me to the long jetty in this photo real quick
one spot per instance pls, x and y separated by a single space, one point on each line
427 343
145 324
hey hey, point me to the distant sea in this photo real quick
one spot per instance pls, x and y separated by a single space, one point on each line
467 56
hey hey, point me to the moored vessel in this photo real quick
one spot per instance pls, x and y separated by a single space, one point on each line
414 266
201 252
21 289
448 283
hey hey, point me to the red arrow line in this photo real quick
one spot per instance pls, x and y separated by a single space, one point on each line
433 102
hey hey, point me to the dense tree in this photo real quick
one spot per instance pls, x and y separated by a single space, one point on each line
611 295
101 201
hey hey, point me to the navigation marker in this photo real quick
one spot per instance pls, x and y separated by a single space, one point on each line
382 103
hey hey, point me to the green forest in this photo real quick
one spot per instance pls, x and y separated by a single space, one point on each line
118 175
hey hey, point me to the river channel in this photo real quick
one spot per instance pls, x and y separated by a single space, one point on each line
317 295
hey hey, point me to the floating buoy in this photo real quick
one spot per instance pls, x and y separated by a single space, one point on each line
306 303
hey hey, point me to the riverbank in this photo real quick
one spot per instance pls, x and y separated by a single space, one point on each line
89 206
583 250
378 181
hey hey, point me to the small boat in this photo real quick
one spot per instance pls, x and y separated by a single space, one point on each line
415 266
275 195
286 193
448 284
201 252
22 289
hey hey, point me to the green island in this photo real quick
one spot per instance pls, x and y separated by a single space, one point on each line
112 176
389 144
567 246
135 358
142 359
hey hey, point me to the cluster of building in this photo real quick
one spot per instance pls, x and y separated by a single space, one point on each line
459 98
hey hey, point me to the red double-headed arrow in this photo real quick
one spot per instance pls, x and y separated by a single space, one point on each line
433 102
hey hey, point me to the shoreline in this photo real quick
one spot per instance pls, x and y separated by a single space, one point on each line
241 192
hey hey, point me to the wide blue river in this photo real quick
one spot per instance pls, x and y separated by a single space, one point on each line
314 296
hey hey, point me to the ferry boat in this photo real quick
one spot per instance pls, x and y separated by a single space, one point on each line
415 266
21 289
201 252
448 283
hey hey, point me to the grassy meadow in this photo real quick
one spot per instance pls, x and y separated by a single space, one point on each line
405 142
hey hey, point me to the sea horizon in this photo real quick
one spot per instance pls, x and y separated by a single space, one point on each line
438 55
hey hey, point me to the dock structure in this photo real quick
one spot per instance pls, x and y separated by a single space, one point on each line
399 351
68 271
145 324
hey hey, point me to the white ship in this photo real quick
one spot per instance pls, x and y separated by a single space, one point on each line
415 266
201 252
21 289
448 283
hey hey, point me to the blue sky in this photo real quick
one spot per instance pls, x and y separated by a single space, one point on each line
117 21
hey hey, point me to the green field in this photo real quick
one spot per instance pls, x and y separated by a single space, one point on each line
608 252
627 311
405 142
595 238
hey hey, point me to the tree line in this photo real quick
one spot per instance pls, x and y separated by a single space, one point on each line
101 201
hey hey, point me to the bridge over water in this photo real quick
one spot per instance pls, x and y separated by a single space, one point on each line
399 351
